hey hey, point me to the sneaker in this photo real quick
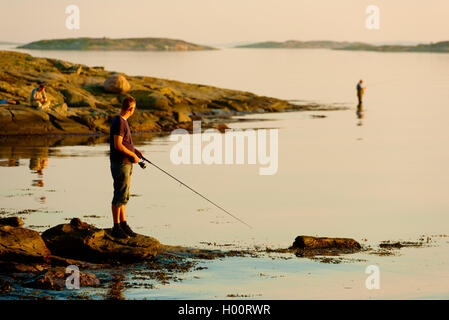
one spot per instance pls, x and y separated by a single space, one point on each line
117 232
127 229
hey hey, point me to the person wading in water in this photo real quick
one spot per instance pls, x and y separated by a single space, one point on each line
360 91
122 156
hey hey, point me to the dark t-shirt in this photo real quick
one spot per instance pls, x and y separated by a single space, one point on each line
120 127
359 88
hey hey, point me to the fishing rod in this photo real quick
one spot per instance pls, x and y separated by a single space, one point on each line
143 166
394 80
378 83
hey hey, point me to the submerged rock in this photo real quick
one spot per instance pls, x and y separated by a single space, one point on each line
5 286
399 245
55 279
85 242
11 221
308 242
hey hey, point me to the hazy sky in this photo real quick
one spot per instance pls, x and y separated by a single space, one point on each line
215 22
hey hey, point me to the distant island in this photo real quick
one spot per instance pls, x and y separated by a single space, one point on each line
8 42
136 44
442 46
294 44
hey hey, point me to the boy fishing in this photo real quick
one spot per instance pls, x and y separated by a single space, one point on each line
122 156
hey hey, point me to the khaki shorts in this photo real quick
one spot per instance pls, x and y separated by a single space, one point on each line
121 173
41 106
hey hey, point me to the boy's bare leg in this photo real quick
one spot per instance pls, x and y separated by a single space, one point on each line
122 216
116 213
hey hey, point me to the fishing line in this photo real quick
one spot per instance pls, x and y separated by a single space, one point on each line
142 165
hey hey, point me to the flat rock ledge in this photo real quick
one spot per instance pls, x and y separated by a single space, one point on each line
310 247
41 259
79 240
308 242
21 245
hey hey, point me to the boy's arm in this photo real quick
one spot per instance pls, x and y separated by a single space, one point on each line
118 145
138 153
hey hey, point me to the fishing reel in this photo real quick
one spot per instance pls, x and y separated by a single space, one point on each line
142 164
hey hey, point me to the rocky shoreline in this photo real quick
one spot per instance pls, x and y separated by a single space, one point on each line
34 265
84 102
39 261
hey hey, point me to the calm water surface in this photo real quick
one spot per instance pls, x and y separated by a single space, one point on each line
378 175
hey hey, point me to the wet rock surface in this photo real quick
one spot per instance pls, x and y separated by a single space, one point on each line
5 286
79 240
55 279
29 261
399 244
308 242
316 248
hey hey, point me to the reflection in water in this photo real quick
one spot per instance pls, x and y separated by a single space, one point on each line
116 288
10 162
11 157
38 149
37 166
360 114
38 162
28 146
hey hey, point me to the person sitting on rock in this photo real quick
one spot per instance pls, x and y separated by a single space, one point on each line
39 98
122 156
